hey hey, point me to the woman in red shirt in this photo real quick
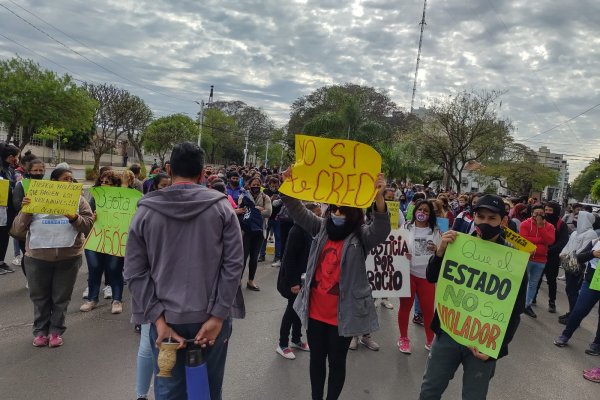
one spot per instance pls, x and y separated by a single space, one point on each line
335 303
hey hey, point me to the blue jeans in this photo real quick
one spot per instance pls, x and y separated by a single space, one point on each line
417 305
585 303
535 271
174 388
145 364
274 226
112 266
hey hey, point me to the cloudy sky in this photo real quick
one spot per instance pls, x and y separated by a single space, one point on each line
545 53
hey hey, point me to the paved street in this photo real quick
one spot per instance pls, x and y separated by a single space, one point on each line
98 358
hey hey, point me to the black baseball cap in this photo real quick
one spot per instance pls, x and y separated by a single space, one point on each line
491 202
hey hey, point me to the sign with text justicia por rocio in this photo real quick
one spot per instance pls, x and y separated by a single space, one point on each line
53 197
476 291
115 208
333 171
388 269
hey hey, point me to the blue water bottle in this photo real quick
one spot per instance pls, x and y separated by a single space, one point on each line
196 375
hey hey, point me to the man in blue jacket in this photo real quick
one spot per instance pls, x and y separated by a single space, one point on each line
183 265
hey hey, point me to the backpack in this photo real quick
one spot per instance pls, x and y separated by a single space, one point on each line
252 220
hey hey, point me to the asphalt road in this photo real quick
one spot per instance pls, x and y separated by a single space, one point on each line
99 356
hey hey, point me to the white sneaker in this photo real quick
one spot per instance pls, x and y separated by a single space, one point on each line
276 264
86 291
107 292
386 303
17 260
286 353
353 343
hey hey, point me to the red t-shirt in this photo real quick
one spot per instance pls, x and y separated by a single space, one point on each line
325 288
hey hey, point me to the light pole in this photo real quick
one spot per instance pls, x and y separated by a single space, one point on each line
246 147
267 154
201 124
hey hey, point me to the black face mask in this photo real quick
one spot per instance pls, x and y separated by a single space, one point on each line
255 190
234 184
487 232
552 218
36 176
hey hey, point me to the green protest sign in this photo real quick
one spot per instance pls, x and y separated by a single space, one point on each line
595 283
476 291
25 182
115 208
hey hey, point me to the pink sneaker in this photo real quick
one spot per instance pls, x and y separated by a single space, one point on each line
300 346
56 340
428 345
593 375
404 345
40 341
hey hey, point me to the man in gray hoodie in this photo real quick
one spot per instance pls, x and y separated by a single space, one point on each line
183 265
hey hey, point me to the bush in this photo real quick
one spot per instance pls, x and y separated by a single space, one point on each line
90 174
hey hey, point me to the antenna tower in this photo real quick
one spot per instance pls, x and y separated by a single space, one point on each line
412 101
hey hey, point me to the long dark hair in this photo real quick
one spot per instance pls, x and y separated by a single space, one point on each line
58 172
7 150
354 216
432 218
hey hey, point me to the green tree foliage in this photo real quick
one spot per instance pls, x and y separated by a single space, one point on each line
220 136
582 185
32 98
164 133
464 127
519 171
344 111
596 190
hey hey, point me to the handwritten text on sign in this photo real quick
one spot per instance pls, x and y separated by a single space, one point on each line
476 291
115 208
4 186
341 172
53 197
388 269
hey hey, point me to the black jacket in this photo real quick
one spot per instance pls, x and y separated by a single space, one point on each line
433 273
561 237
294 260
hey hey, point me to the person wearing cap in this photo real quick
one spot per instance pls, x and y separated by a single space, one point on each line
446 354
541 233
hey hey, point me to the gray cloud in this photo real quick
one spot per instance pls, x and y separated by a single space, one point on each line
268 53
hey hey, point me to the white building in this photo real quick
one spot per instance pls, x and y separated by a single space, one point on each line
558 163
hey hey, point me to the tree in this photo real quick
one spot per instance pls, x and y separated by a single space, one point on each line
582 185
519 171
118 112
220 135
462 128
32 98
56 135
164 133
344 111
596 190
137 117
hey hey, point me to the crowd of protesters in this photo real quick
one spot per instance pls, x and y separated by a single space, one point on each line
229 216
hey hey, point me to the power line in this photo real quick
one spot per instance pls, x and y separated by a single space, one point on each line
562 123
77 40
90 60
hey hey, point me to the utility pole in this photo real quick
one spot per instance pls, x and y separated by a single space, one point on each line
201 122
412 102
267 154
246 147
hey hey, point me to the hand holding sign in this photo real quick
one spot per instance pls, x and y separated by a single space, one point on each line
333 171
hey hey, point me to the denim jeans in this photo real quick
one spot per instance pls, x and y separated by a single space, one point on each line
174 388
585 303
272 226
573 284
445 357
145 364
112 266
535 271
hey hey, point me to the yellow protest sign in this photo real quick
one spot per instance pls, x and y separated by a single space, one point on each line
518 241
4 184
53 197
334 171
394 210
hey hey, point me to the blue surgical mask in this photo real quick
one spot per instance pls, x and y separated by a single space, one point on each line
338 220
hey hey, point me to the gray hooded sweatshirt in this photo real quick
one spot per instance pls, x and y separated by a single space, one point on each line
184 257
